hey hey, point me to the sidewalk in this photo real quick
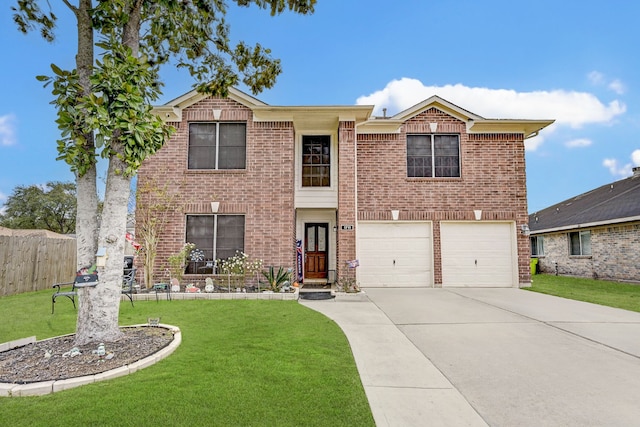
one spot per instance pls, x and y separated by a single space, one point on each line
499 357
403 387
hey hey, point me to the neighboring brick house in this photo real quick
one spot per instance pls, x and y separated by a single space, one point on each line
433 196
595 234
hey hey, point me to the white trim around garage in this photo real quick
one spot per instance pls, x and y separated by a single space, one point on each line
479 254
395 254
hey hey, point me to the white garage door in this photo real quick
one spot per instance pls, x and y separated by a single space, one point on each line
395 254
478 254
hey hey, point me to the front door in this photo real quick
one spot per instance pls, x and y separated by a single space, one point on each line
315 255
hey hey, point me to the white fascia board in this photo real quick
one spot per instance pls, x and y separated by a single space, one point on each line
168 113
526 127
587 225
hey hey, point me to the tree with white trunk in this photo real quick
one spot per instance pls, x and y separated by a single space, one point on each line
104 108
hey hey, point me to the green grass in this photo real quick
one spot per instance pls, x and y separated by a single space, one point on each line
612 294
241 363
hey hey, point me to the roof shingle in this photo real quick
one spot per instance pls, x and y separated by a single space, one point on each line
609 203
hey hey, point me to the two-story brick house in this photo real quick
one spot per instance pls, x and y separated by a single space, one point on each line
433 196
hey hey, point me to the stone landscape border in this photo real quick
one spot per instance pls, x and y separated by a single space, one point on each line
48 387
152 296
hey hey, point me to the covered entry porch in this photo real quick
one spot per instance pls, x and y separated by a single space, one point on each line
316 246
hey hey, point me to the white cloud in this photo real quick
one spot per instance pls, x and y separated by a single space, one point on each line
597 78
617 86
568 108
618 170
3 199
7 130
532 144
578 143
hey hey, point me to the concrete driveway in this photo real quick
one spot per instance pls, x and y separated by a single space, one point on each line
498 357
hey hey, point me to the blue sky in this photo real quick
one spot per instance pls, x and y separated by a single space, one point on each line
577 62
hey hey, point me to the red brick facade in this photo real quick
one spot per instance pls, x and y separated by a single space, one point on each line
371 173
493 179
263 192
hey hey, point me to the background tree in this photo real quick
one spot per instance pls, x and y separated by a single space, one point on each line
49 207
117 109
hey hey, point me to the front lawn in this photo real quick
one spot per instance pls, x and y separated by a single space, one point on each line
612 294
241 363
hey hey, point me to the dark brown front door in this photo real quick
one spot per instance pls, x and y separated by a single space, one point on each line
315 255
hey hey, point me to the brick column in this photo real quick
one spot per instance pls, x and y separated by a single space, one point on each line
347 186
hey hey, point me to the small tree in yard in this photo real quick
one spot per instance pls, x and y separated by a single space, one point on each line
154 205
112 101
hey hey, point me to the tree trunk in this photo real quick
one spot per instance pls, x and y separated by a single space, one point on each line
86 218
99 307
151 244
86 187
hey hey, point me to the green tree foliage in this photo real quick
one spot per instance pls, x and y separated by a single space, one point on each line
49 207
113 102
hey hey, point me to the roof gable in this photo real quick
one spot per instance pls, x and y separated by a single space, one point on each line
315 117
474 122
612 203
172 110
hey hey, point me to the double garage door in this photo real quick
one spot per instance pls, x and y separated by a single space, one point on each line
400 254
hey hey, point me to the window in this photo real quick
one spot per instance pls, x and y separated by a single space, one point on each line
433 156
217 145
316 161
537 245
580 243
217 236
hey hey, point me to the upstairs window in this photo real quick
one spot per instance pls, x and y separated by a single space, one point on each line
217 145
316 161
217 236
433 156
580 243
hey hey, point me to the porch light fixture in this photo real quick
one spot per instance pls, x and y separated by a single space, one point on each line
477 214
395 214
524 229
433 127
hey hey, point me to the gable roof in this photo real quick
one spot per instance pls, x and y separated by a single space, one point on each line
610 204
303 117
172 110
309 117
475 123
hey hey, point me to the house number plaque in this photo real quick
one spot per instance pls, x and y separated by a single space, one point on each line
346 227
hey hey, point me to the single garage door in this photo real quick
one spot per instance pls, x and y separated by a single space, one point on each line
478 254
395 254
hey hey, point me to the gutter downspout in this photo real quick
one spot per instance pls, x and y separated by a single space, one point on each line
533 135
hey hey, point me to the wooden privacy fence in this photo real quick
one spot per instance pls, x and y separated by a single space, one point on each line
32 260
